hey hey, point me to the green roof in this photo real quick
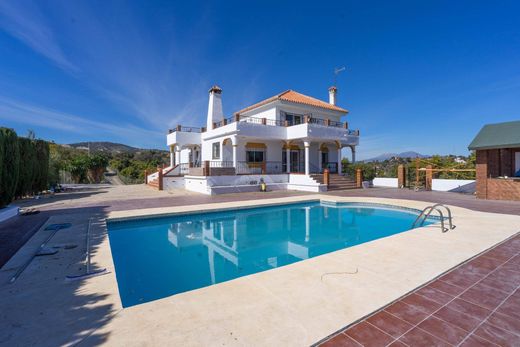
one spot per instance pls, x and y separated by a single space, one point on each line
499 135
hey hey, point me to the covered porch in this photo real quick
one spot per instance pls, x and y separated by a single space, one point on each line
257 156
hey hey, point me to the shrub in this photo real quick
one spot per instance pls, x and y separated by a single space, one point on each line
9 165
41 178
27 167
368 170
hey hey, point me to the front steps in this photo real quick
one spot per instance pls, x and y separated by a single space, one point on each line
336 182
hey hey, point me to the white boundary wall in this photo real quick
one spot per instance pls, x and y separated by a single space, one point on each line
446 185
438 184
385 182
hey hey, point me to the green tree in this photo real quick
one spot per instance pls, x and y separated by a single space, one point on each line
77 166
9 165
96 166
27 168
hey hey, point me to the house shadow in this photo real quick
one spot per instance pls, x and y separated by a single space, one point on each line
469 188
58 197
43 307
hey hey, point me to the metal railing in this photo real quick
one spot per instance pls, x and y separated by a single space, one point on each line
184 129
225 121
218 163
184 168
283 123
267 167
332 166
428 210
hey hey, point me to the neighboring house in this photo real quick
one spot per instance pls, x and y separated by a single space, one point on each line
498 161
287 134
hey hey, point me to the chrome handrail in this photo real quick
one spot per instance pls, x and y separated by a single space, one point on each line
425 213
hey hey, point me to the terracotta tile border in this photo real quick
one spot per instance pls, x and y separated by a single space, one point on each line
475 303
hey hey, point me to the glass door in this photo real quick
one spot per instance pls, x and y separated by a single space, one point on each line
294 158
295 161
324 160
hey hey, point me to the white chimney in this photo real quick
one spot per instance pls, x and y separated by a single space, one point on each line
215 113
332 95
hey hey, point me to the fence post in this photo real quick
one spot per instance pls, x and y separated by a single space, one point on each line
237 117
145 176
179 127
429 176
326 177
264 121
401 177
205 168
359 178
264 166
160 177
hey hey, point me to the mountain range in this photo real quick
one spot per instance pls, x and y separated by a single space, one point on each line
109 147
386 156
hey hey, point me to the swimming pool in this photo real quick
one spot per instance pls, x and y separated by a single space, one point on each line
159 257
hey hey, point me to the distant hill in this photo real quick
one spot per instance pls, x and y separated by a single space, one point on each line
386 156
108 147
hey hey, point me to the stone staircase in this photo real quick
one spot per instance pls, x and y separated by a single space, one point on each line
154 183
336 182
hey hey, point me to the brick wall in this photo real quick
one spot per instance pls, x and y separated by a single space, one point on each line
503 189
481 174
491 164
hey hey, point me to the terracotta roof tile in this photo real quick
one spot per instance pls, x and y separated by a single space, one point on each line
297 98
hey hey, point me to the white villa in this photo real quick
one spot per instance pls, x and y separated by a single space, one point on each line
286 141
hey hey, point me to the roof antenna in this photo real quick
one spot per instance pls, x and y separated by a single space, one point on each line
337 70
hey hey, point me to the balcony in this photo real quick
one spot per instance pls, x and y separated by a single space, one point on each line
312 128
182 135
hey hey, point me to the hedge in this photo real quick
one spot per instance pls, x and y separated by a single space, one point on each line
24 166
9 166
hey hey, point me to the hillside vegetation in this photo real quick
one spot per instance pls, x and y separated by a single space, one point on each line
86 162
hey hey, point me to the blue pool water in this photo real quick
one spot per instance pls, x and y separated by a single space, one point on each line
155 258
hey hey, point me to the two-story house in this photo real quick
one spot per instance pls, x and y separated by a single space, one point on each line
289 134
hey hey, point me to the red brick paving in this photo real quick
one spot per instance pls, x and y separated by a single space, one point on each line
475 304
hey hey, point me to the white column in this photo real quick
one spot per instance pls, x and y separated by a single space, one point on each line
307 144
172 157
353 148
177 155
288 159
235 163
339 161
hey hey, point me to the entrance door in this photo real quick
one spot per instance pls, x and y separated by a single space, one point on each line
294 158
324 160
295 161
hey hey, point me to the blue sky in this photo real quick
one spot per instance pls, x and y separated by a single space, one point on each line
421 75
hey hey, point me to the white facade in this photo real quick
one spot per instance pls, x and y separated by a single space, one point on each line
288 133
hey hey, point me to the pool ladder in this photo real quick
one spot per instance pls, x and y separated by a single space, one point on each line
426 213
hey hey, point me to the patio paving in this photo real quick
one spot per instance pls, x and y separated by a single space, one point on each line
475 304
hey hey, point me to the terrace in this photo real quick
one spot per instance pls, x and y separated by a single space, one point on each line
292 305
